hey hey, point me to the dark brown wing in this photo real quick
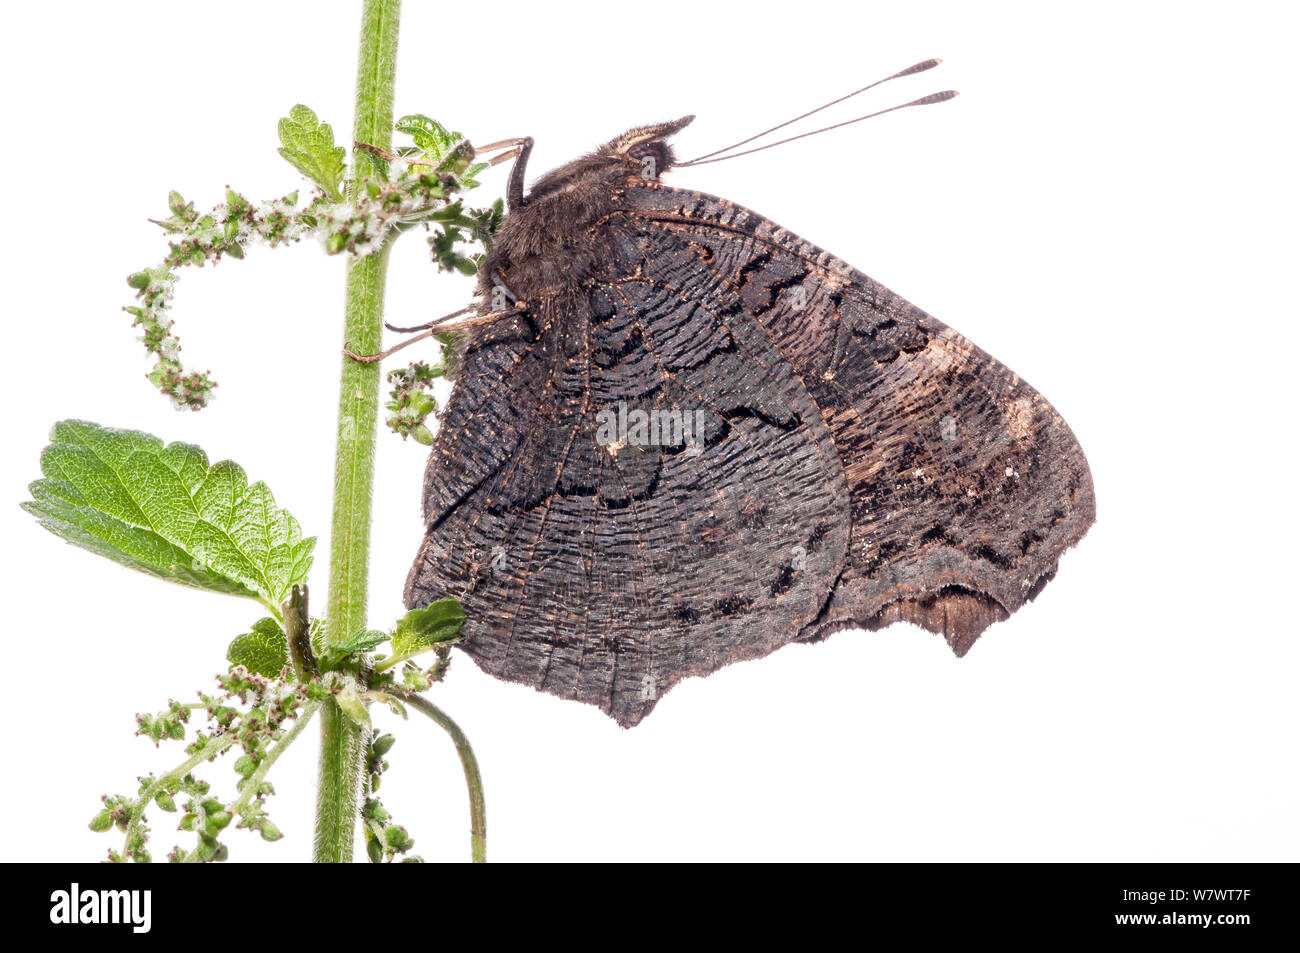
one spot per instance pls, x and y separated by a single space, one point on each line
607 574
965 484
861 464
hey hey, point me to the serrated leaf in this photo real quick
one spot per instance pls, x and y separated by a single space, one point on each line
165 511
264 650
308 145
355 644
468 178
432 138
421 629
363 641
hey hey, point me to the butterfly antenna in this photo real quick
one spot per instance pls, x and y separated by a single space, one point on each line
930 100
911 70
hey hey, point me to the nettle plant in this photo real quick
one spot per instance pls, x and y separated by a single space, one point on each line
163 509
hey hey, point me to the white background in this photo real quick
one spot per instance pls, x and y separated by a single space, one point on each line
1109 208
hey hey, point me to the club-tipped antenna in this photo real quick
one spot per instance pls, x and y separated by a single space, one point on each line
930 100
911 70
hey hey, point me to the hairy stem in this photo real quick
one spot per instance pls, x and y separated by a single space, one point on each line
473 780
342 748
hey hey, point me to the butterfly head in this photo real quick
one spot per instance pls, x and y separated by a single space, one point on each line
646 146
642 153
533 249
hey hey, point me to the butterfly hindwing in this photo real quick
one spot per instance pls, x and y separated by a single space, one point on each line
607 573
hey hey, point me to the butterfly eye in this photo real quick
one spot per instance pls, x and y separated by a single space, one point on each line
652 157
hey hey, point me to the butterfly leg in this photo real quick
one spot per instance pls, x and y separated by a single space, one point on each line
503 297
375 150
441 326
428 324
523 147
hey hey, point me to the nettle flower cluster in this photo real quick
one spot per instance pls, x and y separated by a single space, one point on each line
418 185
259 715
275 686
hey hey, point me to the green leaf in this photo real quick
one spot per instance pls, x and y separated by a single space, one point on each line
264 650
485 221
308 145
164 511
362 641
421 629
355 644
468 178
432 138
317 632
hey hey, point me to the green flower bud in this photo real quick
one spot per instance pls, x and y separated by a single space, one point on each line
353 707
398 839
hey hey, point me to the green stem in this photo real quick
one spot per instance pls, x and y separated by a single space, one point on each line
473 780
342 749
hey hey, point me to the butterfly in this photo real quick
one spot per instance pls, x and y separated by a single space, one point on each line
690 437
